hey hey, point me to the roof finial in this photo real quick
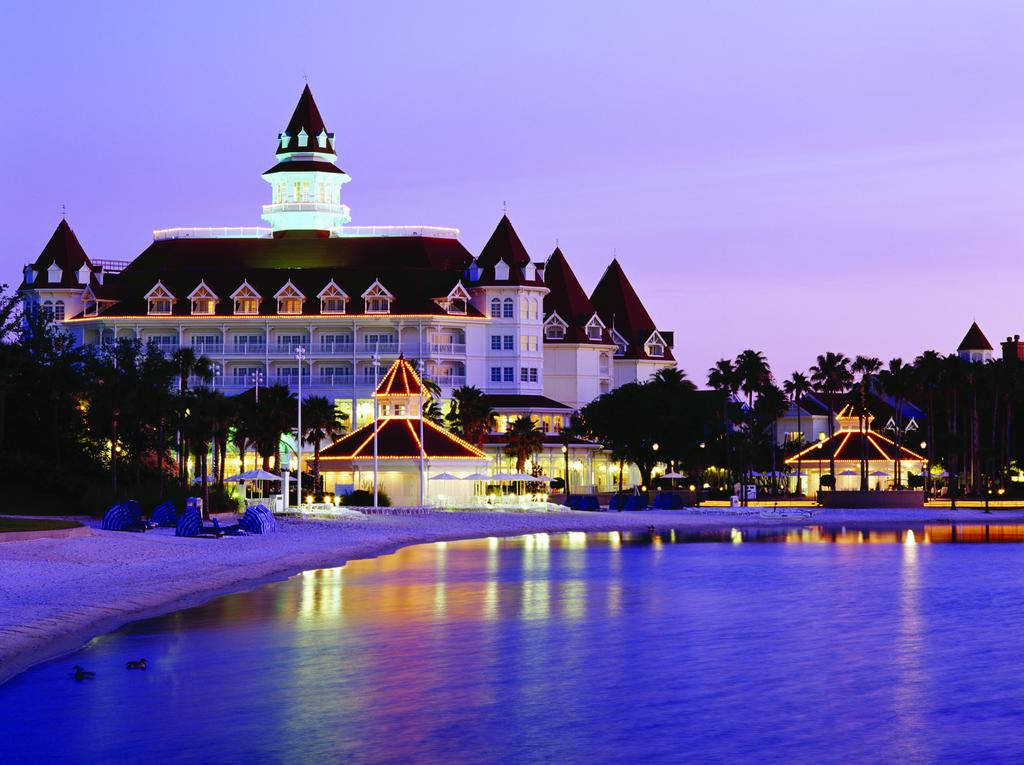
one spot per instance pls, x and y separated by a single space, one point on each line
504 207
304 77
556 242
63 211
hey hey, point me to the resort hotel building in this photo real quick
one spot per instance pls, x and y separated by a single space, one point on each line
310 296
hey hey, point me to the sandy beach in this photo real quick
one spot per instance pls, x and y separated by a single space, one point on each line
55 594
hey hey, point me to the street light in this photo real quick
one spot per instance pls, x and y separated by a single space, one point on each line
257 378
300 354
565 456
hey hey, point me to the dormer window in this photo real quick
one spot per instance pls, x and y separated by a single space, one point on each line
655 346
321 140
83 275
289 300
54 274
377 299
285 140
333 299
456 301
457 306
501 271
555 327
303 139
159 301
595 329
30 274
204 301
247 300
621 346
90 306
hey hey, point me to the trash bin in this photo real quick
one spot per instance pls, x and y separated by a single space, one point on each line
734 501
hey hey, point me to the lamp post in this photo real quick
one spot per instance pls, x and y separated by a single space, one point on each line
423 460
376 382
926 471
565 456
300 354
654 450
257 378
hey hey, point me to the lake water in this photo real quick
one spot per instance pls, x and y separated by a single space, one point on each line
810 646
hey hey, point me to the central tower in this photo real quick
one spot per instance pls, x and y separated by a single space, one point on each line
305 181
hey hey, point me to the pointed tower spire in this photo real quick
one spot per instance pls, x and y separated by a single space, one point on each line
620 308
306 183
567 299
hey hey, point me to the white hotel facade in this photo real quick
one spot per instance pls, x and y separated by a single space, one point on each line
312 295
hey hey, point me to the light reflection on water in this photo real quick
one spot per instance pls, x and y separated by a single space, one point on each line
846 644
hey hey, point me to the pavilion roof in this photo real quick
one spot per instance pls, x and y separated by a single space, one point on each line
849 445
398 439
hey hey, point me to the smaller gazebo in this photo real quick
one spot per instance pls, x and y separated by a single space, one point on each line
403 458
848 444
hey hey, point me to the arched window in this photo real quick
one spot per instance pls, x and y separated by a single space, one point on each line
508 311
496 308
58 310
48 310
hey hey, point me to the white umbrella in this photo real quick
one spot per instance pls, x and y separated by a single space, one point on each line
543 478
848 471
673 475
476 477
445 477
943 474
795 474
503 477
254 475
523 477
199 479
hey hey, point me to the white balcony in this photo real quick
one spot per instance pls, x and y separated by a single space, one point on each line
328 208
246 350
366 347
448 349
329 349
215 232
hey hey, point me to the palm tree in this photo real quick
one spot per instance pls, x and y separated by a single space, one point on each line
897 381
722 377
243 431
469 415
796 387
928 374
524 440
754 376
867 367
274 417
188 365
321 420
831 375
198 431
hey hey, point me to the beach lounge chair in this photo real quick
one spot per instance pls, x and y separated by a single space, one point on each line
164 515
124 517
258 520
668 501
636 502
585 502
190 524
618 502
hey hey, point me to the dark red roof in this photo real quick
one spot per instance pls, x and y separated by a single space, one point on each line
398 438
523 401
847 445
567 298
306 117
504 246
65 251
401 380
414 269
304 165
620 309
975 340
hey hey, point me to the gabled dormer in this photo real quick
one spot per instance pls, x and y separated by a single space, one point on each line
289 300
456 301
655 345
90 305
377 299
595 328
246 300
621 345
159 301
54 274
83 274
204 300
554 327
333 299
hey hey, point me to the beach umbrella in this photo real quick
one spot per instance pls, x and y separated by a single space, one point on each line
199 479
878 473
523 477
164 515
503 477
848 471
673 475
543 478
258 520
253 475
795 474
445 477
476 477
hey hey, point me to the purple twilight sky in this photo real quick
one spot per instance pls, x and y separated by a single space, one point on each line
758 167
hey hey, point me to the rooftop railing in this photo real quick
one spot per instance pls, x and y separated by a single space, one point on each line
215 232
437 232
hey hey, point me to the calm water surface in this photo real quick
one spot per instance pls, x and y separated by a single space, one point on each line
808 646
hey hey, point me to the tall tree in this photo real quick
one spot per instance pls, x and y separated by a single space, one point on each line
321 421
796 387
469 414
832 376
867 367
524 440
897 381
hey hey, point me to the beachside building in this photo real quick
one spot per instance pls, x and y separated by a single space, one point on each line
310 296
975 346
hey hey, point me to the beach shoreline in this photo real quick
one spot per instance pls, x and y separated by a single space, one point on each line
57 594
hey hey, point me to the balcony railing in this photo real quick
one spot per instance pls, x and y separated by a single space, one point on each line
327 207
330 381
447 348
246 350
223 232
287 379
342 347
447 380
289 348
378 347
215 349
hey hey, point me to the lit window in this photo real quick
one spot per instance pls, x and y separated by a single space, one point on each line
556 423
289 305
247 306
496 308
159 306
508 309
202 306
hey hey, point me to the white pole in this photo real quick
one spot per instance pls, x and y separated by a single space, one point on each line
300 354
423 471
376 420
